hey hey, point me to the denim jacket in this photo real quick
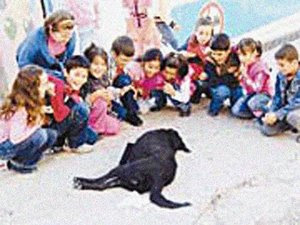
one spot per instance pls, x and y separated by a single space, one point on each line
285 100
34 50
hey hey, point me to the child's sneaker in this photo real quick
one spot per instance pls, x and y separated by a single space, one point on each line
54 150
82 149
11 165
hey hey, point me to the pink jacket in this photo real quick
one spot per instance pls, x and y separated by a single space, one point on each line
257 78
86 12
149 84
16 129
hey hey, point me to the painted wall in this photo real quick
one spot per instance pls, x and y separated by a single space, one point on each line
16 19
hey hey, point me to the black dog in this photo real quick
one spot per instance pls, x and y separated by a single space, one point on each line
147 165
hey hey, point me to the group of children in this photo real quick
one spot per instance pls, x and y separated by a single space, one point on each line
98 90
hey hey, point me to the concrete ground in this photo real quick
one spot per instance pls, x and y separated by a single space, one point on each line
234 175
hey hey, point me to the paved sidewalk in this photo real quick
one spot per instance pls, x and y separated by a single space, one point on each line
233 176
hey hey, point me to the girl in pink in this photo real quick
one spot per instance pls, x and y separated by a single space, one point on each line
255 80
140 27
99 97
22 140
150 80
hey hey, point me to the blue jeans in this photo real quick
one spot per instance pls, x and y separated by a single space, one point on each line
75 128
128 100
27 153
248 106
119 110
168 36
219 94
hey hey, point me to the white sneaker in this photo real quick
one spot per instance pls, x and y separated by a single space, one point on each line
145 105
85 148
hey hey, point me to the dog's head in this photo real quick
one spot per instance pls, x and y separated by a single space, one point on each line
176 141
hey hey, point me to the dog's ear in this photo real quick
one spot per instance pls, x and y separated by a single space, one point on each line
176 141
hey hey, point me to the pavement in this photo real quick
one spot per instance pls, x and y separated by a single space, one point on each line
234 175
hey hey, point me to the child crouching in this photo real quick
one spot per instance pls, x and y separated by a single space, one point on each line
177 88
98 94
70 113
22 138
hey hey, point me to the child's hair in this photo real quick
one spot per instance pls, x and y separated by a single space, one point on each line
92 51
123 45
204 21
249 44
55 18
220 42
233 60
287 52
177 61
76 62
25 93
152 54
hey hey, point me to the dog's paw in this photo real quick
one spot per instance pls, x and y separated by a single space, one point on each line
186 204
77 183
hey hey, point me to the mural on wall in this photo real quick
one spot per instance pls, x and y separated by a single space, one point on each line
17 18
2 5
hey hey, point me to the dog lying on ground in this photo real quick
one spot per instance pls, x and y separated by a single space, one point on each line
147 165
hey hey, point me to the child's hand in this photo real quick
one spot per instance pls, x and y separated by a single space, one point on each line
106 96
203 76
98 94
110 94
168 89
47 109
270 118
188 54
176 27
139 91
50 88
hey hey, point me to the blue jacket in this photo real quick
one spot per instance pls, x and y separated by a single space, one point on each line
286 98
34 50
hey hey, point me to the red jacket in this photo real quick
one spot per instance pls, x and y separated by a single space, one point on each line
58 102
195 47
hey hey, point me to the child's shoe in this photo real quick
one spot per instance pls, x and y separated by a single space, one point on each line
82 149
212 113
11 165
133 119
185 113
